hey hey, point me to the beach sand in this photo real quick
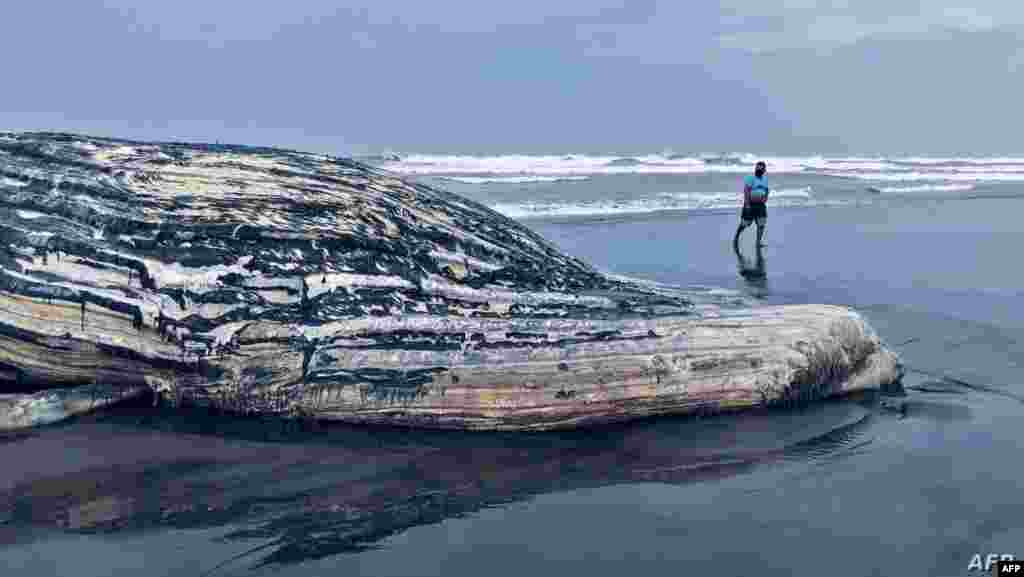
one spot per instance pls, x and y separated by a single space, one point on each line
838 488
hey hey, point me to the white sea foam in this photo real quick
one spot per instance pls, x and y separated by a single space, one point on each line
937 176
960 160
661 202
479 169
523 168
512 179
926 188
567 165
846 164
979 169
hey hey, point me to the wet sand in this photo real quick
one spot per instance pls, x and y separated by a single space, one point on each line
851 486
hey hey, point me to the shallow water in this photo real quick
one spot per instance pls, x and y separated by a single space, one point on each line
848 486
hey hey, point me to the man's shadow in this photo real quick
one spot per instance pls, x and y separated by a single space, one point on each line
755 274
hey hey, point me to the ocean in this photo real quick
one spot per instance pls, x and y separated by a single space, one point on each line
927 248
533 187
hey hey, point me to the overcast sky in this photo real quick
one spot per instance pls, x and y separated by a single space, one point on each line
783 76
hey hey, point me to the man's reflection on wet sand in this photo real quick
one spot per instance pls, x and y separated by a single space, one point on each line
754 274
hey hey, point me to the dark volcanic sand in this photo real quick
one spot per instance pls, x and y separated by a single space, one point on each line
839 488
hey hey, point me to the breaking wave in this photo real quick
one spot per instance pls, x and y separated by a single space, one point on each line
511 179
967 160
582 165
840 177
668 201
923 188
937 176
586 165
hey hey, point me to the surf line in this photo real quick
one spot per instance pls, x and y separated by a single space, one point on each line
972 386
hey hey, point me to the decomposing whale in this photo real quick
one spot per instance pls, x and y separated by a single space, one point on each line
260 280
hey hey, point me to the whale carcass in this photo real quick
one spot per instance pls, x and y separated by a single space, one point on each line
259 280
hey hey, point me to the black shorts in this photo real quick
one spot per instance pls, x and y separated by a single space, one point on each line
755 211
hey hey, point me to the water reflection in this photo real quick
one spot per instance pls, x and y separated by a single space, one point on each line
755 274
305 492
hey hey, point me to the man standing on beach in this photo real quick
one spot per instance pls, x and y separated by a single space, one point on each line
755 195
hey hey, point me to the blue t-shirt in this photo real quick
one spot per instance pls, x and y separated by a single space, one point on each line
758 187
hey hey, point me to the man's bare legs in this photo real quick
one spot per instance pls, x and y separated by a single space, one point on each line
760 232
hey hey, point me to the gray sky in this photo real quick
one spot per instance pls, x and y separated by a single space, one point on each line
784 76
